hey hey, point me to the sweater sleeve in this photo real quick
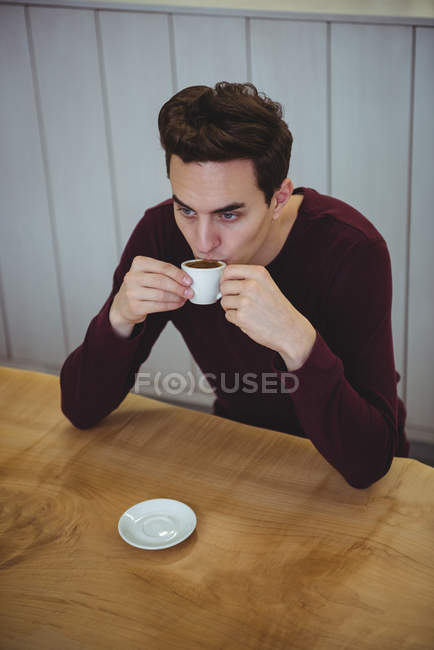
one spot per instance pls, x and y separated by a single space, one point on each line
346 400
96 377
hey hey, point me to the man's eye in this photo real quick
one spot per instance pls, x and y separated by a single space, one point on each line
229 216
186 212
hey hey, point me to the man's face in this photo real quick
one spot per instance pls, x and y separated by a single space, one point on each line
220 210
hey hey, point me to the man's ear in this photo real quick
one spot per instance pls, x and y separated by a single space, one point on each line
281 197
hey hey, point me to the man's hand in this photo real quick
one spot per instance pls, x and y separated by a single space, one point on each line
149 286
254 302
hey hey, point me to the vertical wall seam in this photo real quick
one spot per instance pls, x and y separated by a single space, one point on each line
108 134
329 109
3 314
249 70
409 205
48 181
172 52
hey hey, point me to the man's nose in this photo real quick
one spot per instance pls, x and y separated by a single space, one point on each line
207 238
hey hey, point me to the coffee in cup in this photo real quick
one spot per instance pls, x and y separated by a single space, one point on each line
204 264
206 276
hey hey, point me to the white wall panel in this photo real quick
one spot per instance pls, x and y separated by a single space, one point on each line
136 53
74 123
209 49
370 122
138 75
29 278
289 63
420 395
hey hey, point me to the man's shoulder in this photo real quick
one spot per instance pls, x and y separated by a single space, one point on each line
164 206
156 233
339 217
156 220
158 212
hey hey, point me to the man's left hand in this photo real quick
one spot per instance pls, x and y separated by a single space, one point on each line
254 302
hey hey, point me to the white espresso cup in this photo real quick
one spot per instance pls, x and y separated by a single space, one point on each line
206 280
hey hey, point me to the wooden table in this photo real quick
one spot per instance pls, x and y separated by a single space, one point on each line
285 555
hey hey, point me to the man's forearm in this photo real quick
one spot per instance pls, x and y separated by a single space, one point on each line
354 434
121 327
297 350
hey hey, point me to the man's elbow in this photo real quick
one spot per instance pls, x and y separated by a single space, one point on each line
79 419
363 477
362 482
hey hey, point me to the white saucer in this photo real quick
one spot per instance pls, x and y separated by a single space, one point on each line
157 523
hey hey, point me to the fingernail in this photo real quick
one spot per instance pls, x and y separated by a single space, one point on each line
186 279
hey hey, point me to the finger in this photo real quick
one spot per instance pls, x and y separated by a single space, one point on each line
153 306
243 271
151 265
165 284
230 302
158 295
166 306
231 315
232 287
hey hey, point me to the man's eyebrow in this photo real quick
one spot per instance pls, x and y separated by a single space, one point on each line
226 208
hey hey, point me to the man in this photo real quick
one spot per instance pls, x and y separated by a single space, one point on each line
306 294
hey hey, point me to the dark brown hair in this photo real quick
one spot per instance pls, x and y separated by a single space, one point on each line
227 122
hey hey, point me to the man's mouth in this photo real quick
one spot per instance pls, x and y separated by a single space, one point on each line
212 259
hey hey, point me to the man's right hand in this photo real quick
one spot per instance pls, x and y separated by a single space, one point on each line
149 286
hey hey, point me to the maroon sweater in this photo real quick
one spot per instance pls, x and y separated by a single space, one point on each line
335 269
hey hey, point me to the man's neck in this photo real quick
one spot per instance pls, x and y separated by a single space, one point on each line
282 227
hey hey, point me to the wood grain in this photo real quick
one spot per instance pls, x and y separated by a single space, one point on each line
285 555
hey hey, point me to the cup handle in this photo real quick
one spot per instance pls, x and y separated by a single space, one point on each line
219 295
